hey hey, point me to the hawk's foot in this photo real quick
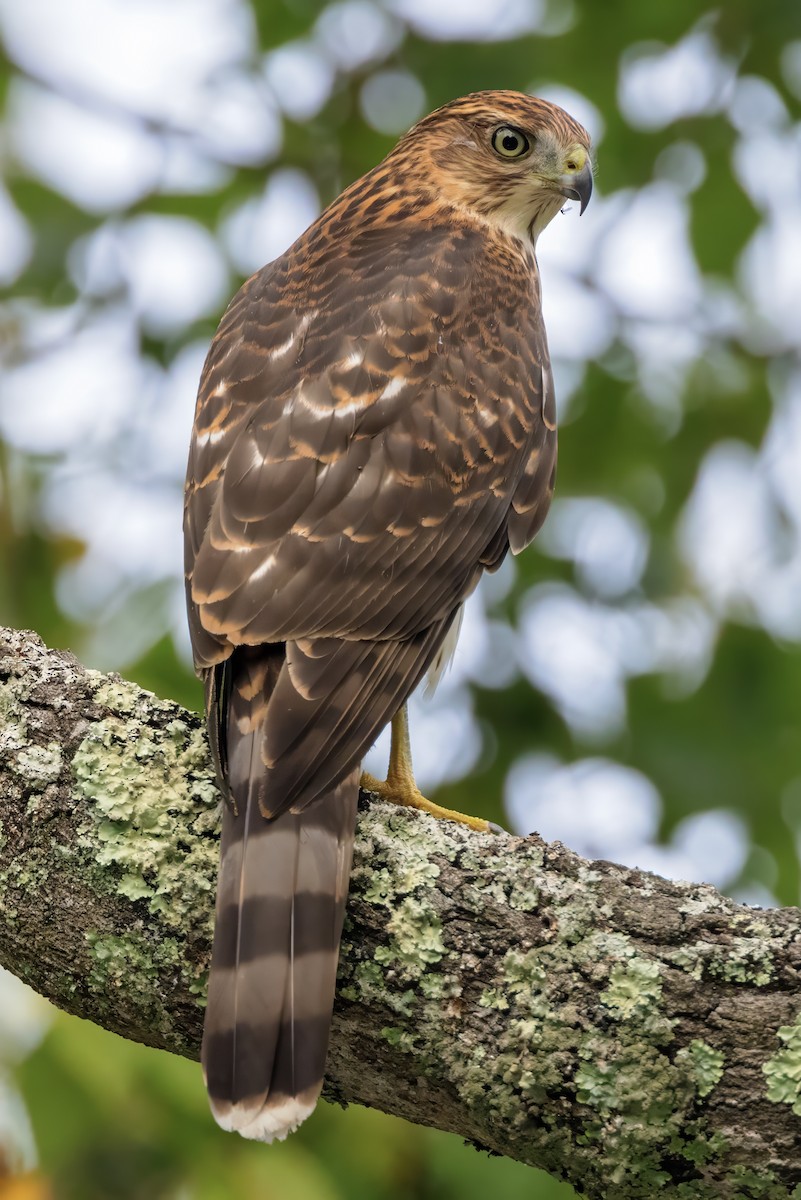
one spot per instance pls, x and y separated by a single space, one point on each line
400 787
406 793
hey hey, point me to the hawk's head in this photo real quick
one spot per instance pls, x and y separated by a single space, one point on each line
509 158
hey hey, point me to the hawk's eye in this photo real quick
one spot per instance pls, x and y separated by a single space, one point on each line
509 142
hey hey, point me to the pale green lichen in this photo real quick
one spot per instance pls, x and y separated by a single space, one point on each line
638 1079
575 911
127 961
705 1065
689 959
493 998
520 891
143 786
752 924
153 808
400 876
525 897
39 765
438 987
367 978
544 1039
416 937
783 1070
115 695
741 960
419 873
746 959
414 874
619 1074
705 901
399 1038
633 986
12 719
749 1183
408 976
133 887
131 964
380 888
697 1145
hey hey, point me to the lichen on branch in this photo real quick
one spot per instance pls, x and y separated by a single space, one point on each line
626 1033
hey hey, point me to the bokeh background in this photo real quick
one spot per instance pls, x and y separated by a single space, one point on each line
632 685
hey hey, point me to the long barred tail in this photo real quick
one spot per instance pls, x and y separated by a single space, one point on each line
288 726
281 896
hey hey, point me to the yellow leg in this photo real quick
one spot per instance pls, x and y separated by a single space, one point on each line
400 786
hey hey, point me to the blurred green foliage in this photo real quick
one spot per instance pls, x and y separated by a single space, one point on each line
114 1120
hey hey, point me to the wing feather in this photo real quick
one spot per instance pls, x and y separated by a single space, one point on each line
330 703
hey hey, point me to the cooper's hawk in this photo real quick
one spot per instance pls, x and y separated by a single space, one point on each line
375 427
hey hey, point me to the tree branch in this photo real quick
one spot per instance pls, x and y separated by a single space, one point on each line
623 1032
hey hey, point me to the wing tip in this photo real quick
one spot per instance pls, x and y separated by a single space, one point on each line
272 1121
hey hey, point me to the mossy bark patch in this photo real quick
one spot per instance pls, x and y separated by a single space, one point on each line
151 805
783 1069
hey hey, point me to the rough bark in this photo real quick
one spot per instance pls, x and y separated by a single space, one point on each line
625 1033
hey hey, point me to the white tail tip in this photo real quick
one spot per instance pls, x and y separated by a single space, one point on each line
271 1123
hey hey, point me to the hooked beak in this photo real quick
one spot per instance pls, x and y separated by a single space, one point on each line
578 186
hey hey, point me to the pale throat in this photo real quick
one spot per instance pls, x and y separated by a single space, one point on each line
522 214
527 213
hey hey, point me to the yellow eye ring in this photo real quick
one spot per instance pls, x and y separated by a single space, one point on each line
509 142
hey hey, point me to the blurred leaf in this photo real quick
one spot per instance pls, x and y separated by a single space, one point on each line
26 1187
